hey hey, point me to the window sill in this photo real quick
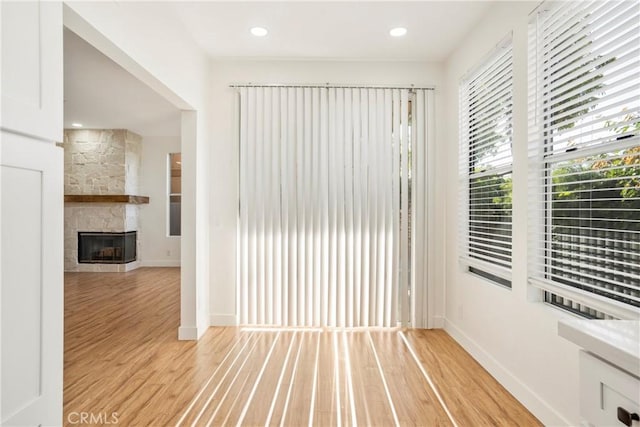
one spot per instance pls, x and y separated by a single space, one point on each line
486 271
604 305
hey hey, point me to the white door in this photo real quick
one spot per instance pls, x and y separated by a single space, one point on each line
31 214
32 274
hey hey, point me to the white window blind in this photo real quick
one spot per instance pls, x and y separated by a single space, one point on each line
585 156
332 205
486 106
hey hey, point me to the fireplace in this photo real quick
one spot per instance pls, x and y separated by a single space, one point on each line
106 248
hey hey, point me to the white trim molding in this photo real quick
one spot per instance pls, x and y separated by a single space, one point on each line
160 263
188 333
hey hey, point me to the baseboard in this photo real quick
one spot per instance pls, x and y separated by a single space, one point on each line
160 263
132 266
223 320
188 333
534 403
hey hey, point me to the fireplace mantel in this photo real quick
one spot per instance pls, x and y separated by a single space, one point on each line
106 198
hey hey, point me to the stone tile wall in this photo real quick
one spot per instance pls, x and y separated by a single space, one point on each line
132 162
104 161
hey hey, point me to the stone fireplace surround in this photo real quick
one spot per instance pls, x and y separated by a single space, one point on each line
100 163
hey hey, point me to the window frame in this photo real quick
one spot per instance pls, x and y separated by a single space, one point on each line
492 272
171 194
543 159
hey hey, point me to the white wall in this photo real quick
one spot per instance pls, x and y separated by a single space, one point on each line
143 38
510 332
224 153
157 248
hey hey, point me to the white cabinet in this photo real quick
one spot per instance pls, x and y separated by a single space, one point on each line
31 83
609 396
609 369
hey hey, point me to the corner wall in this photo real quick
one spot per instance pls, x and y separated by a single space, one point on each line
510 332
224 160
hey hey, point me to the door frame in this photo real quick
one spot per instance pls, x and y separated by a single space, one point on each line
189 297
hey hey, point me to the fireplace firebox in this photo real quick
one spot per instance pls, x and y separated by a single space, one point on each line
106 248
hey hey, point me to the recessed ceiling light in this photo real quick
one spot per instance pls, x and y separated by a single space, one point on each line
76 125
259 31
398 32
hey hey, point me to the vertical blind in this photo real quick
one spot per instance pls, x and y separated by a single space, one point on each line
585 156
486 106
330 184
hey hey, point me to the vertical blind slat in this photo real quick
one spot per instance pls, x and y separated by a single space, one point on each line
309 208
419 193
290 157
325 232
332 163
317 285
372 175
388 228
339 207
366 277
395 183
357 206
244 196
404 208
260 226
269 198
414 225
349 227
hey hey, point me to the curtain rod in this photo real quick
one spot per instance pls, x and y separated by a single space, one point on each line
331 85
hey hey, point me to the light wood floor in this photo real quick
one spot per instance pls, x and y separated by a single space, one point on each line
122 356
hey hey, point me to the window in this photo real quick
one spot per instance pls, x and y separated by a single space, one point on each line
175 193
585 157
486 165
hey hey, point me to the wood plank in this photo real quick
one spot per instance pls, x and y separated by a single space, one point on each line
470 392
201 404
371 404
240 392
414 402
269 390
298 405
256 407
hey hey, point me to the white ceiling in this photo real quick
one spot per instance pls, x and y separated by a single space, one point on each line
330 30
101 95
